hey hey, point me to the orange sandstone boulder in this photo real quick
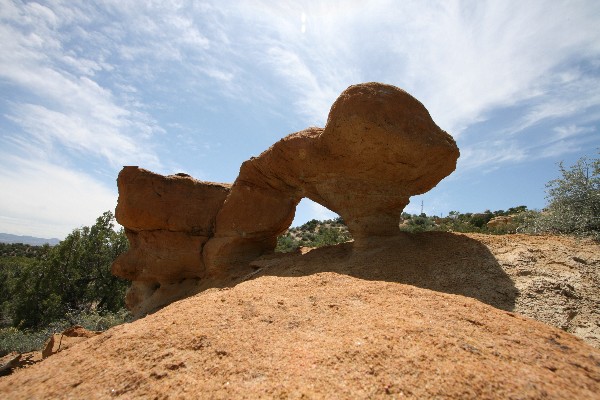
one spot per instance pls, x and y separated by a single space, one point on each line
167 220
176 203
69 337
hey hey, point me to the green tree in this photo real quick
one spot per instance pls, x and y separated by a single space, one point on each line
329 237
574 200
285 244
73 277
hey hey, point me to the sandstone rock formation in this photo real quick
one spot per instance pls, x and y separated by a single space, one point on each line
167 220
324 335
379 147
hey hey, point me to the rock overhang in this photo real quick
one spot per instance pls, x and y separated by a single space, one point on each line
379 147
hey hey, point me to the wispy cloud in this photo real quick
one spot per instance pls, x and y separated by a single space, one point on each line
564 132
49 200
489 155
66 106
105 82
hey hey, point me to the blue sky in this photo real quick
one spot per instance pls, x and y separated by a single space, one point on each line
200 86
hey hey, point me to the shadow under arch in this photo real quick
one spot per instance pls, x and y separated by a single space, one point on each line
440 261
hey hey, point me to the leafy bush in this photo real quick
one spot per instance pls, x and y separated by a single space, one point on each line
71 278
13 339
97 321
574 201
467 222
418 223
314 233
285 243
22 341
22 250
61 286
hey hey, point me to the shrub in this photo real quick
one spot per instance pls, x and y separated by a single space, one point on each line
313 234
420 223
285 244
13 339
574 201
22 341
72 277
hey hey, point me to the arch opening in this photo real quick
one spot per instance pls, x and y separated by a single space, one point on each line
313 226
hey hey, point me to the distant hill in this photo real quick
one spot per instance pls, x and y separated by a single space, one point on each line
34 241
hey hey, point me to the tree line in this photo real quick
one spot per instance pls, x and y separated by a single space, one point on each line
50 288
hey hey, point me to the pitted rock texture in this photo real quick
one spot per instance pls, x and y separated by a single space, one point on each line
379 147
325 335
167 220
175 203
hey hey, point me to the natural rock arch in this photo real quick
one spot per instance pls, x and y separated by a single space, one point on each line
378 148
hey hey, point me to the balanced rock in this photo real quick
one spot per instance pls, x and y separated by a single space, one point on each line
167 220
379 147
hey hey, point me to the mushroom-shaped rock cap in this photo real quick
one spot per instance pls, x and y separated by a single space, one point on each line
383 147
382 133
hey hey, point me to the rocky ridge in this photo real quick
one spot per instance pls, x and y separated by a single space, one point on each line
414 316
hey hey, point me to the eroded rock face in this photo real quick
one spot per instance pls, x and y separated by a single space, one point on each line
167 219
379 147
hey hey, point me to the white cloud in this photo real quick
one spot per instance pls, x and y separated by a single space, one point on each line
465 59
81 133
65 109
489 155
49 200
315 97
57 112
91 80
568 131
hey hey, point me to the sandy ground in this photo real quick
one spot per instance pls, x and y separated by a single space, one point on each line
434 315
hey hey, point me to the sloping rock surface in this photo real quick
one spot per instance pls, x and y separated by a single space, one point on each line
56 343
337 323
